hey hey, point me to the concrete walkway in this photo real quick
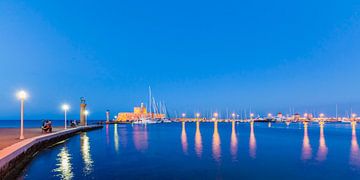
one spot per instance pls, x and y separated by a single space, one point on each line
10 136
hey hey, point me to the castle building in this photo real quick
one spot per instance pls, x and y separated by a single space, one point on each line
138 114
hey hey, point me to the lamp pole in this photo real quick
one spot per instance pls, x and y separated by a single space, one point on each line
65 107
22 96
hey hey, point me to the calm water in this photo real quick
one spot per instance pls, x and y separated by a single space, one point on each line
204 151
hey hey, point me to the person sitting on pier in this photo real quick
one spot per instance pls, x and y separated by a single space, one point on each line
73 123
47 127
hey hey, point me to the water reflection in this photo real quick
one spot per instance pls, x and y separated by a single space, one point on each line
198 140
184 142
107 134
306 148
216 149
86 155
252 141
323 149
140 138
123 137
64 166
354 151
234 142
116 138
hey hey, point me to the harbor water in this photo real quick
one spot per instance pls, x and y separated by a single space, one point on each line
204 151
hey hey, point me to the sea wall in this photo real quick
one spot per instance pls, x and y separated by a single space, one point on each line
14 158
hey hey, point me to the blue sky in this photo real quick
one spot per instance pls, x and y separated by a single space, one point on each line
196 55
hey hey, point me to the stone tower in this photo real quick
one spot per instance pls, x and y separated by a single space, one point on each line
82 111
107 116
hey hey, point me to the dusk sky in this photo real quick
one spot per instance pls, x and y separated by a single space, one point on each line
196 55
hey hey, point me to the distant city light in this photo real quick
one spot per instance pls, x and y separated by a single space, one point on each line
183 115
305 115
197 115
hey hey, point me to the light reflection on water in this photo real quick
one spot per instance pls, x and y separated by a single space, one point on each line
234 141
86 154
139 150
64 166
216 149
198 140
323 149
184 142
140 136
354 150
107 134
252 141
306 149
116 138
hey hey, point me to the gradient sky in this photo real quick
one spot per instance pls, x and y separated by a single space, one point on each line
196 55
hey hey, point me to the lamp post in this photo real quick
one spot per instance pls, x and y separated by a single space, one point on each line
86 116
65 107
22 96
353 115
270 115
197 116
216 115
251 116
233 116
183 116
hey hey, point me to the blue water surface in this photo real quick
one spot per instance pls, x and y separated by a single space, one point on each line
204 151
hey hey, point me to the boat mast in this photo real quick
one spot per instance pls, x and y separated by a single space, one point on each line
150 102
336 112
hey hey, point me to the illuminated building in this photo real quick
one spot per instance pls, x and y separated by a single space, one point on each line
138 114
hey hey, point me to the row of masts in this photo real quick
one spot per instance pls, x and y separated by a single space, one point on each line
156 108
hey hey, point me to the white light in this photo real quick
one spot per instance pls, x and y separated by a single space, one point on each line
197 115
183 114
86 112
65 107
22 94
216 115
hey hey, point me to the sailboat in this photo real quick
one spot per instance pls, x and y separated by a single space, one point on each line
157 112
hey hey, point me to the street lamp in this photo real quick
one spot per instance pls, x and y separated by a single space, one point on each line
251 116
353 115
216 115
65 107
197 115
22 95
233 115
86 116
270 115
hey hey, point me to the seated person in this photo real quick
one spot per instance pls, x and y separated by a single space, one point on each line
47 126
73 123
